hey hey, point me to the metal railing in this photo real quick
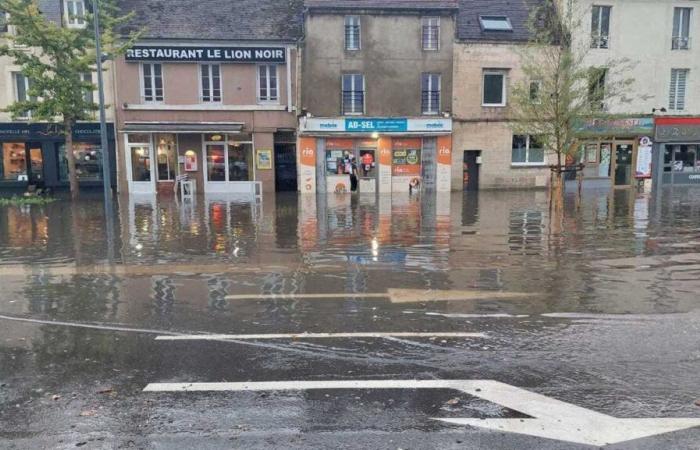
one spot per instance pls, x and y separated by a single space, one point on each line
353 102
600 41
680 43
430 102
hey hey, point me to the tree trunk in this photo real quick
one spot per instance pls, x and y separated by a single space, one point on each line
72 175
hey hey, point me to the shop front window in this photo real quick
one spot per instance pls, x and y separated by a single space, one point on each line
604 166
406 158
229 157
165 154
240 161
13 166
685 158
88 162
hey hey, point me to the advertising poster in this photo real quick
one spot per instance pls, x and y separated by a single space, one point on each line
384 148
444 163
307 155
644 158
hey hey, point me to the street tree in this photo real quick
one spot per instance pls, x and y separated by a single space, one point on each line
58 60
561 87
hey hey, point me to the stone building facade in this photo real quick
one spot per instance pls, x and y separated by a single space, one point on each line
487 154
377 83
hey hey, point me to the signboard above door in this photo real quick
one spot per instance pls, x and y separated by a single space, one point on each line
191 54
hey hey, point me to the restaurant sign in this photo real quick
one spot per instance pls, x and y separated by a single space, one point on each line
206 54
623 127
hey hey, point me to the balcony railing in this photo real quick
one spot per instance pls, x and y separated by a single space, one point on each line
680 43
430 102
600 41
353 102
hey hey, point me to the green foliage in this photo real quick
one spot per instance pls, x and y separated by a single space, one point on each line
55 57
569 88
29 200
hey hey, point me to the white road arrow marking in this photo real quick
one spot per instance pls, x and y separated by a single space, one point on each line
248 337
551 419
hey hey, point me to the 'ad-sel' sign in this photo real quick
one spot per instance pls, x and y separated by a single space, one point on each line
206 54
375 125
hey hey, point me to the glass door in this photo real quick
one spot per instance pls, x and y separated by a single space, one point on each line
623 164
165 155
367 170
139 152
36 163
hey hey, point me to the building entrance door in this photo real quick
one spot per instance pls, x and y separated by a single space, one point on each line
367 170
623 164
35 167
285 167
166 159
470 170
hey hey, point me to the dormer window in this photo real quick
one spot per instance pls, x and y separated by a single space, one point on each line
74 11
495 23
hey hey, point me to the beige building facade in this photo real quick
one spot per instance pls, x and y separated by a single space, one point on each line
376 97
487 153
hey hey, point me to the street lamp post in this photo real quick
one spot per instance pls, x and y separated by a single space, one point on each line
106 166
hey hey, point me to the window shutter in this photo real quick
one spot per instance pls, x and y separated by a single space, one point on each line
680 92
672 89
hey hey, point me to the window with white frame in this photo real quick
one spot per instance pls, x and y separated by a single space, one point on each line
430 93
677 91
430 36
494 88
152 82
353 93
600 26
352 32
210 81
527 149
681 29
74 11
22 86
268 90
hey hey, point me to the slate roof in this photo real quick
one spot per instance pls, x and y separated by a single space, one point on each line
249 20
413 5
518 11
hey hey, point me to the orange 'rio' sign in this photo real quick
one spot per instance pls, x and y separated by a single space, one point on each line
307 148
444 150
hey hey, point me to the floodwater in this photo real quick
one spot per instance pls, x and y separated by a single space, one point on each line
348 244
604 300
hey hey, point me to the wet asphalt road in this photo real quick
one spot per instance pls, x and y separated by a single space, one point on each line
611 322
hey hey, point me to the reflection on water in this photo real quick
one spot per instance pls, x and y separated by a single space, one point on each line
171 255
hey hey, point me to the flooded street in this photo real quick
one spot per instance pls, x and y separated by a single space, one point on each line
596 306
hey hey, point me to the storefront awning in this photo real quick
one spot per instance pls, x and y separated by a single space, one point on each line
170 127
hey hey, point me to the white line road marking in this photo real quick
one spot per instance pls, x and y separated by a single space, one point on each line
243 337
394 295
478 316
84 325
552 419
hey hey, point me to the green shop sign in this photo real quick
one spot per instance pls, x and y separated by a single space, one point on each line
623 127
